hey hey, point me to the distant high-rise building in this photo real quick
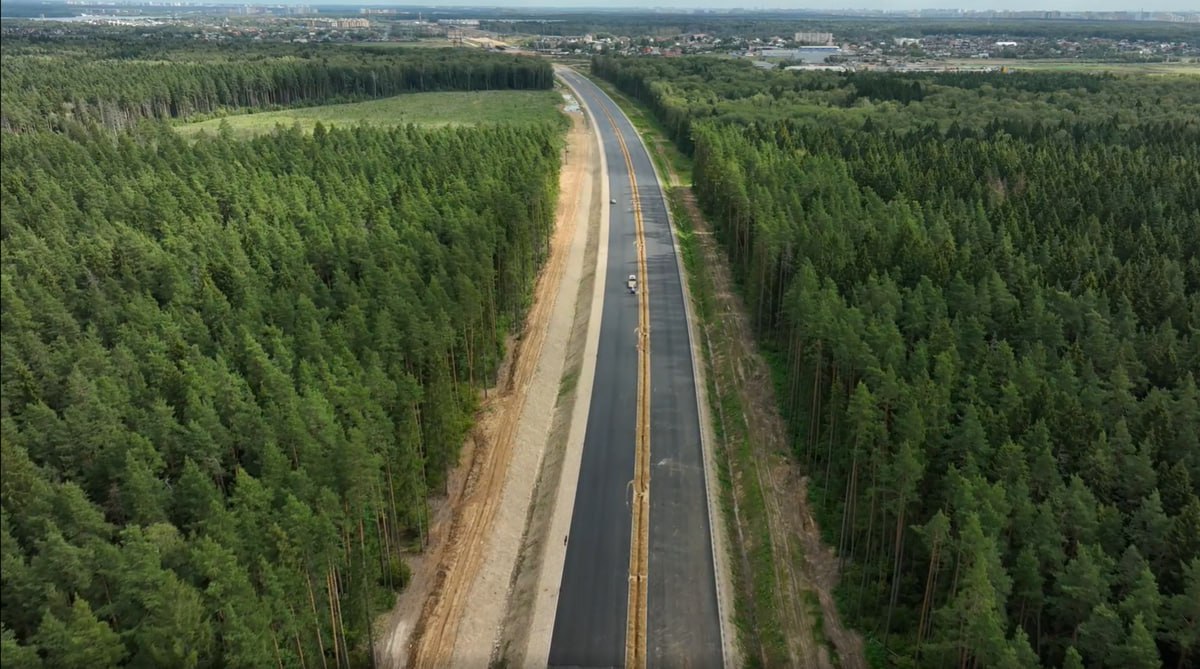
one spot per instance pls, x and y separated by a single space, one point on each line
814 38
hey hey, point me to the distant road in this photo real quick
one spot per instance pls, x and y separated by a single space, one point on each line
683 625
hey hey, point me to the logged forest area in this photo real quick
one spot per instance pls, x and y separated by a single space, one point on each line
980 298
234 371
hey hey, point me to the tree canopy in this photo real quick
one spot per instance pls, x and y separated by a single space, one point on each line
118 84
232 372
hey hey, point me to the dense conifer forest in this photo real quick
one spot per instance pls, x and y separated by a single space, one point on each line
118 82
981 296
232 372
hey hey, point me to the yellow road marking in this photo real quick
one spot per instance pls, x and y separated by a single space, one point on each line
635 631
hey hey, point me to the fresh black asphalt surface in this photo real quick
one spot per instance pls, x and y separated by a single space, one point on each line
682 618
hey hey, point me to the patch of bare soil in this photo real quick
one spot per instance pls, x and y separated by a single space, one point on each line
802 562
423 628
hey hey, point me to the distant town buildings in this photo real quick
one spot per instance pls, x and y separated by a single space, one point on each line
341 24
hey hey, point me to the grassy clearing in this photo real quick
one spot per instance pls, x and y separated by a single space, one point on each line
426 109
1083 66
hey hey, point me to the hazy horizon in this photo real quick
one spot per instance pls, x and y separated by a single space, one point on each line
754 5
1020 5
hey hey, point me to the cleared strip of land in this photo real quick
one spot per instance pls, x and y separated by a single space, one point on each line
451 615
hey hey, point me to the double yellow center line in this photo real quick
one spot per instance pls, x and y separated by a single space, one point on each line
635 631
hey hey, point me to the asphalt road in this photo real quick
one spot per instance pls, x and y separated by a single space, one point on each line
682 618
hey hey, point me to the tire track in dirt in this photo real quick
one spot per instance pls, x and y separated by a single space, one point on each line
521 622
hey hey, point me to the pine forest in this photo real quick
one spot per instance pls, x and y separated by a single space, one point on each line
980 294
234 371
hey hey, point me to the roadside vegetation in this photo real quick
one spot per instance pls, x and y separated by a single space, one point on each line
234 371
757 617
979 294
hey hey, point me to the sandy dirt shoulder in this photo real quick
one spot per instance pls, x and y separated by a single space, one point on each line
531 624
476 530
492 602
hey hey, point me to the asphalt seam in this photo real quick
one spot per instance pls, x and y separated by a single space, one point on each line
715 524
636 623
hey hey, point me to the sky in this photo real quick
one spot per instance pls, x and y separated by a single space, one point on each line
1019 5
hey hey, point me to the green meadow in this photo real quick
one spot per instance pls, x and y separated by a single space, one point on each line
425 109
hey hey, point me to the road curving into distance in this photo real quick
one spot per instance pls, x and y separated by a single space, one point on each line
638 585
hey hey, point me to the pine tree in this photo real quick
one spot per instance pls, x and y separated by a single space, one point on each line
1139 650
1082 586
1183 615
1072 660
78 639
1099 634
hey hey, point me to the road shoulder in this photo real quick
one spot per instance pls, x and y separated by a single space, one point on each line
491 598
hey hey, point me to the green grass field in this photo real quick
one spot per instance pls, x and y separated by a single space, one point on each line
427 109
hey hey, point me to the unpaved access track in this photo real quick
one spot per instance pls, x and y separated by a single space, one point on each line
453 609
803 563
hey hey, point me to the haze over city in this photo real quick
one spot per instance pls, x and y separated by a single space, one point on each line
1062 6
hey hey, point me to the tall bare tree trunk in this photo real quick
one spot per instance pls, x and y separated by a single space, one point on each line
927 599
312 600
